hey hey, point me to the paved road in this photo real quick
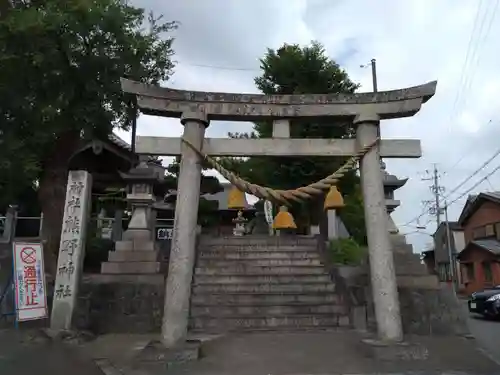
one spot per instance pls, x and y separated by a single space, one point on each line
487 334
22 354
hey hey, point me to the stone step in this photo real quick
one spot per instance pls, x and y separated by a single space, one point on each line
132 256
397 239
269 322
276 298
259 240
241 269
254 248
204 262
268 254
130 267
136 245
407 258
410 269
248 311
402 249
252 279
198 289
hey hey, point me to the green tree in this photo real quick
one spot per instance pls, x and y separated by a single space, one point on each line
292 69
62 61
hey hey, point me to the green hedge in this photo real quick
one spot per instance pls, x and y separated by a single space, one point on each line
345 251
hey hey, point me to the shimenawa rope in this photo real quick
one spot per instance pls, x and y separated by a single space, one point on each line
284 196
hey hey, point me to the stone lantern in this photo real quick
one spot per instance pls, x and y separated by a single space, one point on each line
136 252
141 181
391 184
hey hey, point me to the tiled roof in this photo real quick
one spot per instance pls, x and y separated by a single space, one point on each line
119 142
488 244
475 201
493 194
223 196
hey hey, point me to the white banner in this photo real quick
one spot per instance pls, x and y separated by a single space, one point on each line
268 210
29 281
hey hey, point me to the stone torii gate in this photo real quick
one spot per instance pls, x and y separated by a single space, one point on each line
196 109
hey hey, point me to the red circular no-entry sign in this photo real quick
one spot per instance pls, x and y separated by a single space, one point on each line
28 255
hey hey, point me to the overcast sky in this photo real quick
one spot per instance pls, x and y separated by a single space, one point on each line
219 43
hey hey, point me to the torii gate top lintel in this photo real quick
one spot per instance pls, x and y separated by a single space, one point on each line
167 102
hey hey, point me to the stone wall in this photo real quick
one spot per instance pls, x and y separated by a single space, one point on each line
120 303
426 308
432 311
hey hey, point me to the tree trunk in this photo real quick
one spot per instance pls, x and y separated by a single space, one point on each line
52 195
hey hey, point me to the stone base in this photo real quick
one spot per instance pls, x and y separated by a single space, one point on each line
130 268
128 304
137 234
136 245
155 356
395 351
69 337
132 257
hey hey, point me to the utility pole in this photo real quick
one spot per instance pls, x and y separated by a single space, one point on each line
373 64
436 208
374 74
435 205
436 191
451 256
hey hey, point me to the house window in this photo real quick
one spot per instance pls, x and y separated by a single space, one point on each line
489 230
444 272
497 230
488 275
469 272
478 233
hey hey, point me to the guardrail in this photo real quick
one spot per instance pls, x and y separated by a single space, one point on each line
31 227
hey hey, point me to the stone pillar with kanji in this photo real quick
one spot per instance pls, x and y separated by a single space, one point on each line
71 249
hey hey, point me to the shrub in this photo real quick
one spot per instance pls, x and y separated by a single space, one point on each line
345 251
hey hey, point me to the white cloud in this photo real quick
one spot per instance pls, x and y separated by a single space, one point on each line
414 41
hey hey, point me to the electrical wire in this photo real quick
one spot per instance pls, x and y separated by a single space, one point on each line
471 47
473 187
487 162
465 79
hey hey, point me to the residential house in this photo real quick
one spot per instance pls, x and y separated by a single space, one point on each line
480 259
429 260
442 251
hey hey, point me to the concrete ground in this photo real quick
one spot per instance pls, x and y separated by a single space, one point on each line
327 353
487 334
27 353
333 352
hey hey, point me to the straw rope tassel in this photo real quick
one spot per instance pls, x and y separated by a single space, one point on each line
285 196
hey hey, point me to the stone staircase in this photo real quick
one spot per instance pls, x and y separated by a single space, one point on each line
263 283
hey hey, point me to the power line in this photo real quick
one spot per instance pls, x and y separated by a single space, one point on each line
474 173
464 154
474 186
475 58
465 80
219 67
470 48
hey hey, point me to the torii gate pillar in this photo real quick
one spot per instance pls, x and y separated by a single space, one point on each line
182 253
383 276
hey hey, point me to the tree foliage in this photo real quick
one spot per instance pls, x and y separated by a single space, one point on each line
292 69
62 61
346 251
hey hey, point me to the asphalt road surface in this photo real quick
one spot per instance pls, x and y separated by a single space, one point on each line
487 334
22 355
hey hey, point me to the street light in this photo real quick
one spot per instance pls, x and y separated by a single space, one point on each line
373 64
